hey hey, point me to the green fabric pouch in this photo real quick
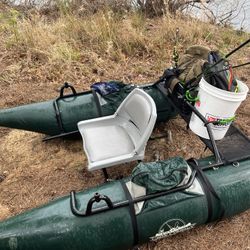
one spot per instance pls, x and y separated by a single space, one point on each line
160 175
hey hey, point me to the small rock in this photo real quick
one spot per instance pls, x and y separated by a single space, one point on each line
2 177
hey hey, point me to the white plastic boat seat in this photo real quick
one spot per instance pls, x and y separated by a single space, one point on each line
116 143
121 137
140 110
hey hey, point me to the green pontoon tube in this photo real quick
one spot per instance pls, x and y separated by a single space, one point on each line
59 117
110 216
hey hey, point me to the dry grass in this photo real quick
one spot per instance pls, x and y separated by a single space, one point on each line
37 54
49 49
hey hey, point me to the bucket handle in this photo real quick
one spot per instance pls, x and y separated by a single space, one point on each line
95 199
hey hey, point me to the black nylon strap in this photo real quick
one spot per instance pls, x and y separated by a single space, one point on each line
208 190
131 212
97 102
208 197
58 116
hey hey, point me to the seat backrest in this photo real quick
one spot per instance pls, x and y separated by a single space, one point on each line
139 109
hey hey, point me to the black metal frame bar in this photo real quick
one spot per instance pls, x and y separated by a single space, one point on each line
200 116
209 130
110 205
48 138
75 211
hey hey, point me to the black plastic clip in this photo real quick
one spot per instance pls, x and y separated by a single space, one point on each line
97 198
65 86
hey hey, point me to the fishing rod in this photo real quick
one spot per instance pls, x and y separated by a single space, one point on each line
242 45
232 67
223 58
240 65
175 52
193 82
213 65
229 54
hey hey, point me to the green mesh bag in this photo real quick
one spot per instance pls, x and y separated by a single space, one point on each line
160 175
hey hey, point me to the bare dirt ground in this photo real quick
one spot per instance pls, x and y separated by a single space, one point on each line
33 172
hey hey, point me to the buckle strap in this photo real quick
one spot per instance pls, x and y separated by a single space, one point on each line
208 190
131 212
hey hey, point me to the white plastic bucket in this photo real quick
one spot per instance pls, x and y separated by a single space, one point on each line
216 105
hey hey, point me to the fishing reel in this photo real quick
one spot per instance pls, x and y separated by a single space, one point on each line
178 92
